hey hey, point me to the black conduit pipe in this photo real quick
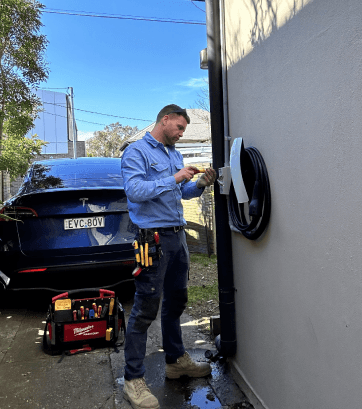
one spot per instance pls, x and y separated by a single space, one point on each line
226 342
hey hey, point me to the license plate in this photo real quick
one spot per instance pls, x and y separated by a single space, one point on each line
84 223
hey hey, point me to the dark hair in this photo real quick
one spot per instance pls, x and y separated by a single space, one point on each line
172 109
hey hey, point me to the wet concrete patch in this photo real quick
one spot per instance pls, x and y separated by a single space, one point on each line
215 391
225 387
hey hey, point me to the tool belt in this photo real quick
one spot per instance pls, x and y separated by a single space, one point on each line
147 248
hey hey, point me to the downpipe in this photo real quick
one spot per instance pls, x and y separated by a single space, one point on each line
226 341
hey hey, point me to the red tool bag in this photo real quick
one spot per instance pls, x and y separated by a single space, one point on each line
82 324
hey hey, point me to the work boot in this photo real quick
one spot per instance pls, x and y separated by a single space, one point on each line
186 366
138 394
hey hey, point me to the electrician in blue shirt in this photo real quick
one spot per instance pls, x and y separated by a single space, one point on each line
155 181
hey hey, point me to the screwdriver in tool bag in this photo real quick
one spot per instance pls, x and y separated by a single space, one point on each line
94 306
104 310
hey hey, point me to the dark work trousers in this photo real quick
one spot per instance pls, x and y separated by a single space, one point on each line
167 276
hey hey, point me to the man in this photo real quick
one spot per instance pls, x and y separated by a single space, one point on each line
155 181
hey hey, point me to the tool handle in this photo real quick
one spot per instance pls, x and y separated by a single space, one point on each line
136 271
156 237
111 305
142 255
137 251
108 292
146 254
57 297
104 310
95 309
84 290
86 348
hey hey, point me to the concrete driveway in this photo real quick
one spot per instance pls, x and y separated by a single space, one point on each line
30 378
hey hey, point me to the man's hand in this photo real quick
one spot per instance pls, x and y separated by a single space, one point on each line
186 173
207 179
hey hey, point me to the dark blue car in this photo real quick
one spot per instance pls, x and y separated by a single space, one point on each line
72 228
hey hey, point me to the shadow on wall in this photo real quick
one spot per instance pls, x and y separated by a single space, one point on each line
251 22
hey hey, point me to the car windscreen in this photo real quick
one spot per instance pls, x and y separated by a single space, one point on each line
60 176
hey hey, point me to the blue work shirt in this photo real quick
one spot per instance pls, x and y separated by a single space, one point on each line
154 197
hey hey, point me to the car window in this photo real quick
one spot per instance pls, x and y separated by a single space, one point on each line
58 176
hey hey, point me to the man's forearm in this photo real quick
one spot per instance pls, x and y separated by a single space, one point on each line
138 190
190 190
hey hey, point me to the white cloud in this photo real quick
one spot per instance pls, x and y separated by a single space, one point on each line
195 82
82 136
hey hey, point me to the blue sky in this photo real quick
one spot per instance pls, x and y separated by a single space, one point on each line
126 68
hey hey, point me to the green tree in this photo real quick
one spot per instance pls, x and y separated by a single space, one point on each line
109 141
22 68
17 153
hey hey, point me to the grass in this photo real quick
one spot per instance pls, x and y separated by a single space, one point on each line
202 293
203 259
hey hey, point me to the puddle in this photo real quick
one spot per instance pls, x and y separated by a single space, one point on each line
120 381
204 398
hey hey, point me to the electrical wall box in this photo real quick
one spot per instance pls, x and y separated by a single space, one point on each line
224 180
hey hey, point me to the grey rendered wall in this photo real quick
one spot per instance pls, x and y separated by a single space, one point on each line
296 95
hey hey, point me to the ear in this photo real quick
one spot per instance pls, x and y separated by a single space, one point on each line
165 119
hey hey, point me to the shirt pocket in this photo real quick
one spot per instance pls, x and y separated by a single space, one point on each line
158 171
178 167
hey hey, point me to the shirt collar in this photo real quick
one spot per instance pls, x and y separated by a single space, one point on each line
154 142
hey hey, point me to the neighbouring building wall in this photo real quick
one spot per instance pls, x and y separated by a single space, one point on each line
52 124
295 92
